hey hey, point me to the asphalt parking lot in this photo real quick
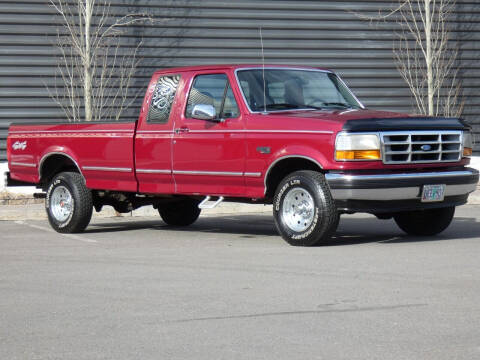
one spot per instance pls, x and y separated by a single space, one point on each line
228 287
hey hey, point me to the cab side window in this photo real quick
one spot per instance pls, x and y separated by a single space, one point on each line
230 108
162 99
215 90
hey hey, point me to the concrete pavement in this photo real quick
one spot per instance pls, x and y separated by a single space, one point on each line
229 288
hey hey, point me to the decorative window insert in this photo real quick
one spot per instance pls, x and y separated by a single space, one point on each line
162 99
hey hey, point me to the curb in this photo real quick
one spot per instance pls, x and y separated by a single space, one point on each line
8 198
474 198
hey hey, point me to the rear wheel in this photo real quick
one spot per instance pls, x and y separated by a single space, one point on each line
304 210
180 213
425 222
68 203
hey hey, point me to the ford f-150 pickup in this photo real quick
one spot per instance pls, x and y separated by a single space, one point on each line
294 137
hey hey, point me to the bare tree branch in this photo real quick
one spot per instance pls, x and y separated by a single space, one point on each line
94 72
424 55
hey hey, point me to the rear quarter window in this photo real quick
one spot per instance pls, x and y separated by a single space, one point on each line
162 99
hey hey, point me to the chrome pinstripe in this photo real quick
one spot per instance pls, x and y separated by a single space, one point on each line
252 174
240 131
210 173
153 171
15 163
193 172
104 168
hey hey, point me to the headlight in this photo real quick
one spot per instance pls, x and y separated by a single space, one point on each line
351 147
467 143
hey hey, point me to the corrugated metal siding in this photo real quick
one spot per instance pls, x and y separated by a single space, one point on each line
319 33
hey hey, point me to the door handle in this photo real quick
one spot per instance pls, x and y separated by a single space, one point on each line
182 130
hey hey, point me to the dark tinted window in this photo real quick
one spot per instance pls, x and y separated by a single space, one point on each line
212 90
287 89
162 99
230 108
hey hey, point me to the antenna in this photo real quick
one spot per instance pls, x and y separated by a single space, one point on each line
263 74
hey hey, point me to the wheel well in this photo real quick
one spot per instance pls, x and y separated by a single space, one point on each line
284 167
55 164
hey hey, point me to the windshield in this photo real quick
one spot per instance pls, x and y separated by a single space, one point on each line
289 89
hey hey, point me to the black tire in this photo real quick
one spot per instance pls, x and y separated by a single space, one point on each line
318 222
79 206
180 213
425 222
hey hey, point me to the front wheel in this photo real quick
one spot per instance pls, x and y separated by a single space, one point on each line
425 222
304 210
68 203
180 213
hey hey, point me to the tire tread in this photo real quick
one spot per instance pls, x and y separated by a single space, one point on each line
83 203
181 213
425 222
330 214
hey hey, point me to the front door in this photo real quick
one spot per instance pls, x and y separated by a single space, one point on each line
209 156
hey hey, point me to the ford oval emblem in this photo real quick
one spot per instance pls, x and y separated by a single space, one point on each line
426 147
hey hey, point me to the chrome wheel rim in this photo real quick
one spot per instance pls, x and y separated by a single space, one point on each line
298 209
61 203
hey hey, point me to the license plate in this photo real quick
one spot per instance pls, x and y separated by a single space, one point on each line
432 193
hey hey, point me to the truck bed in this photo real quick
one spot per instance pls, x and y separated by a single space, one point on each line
103 151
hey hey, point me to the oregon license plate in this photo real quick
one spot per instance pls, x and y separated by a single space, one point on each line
432 193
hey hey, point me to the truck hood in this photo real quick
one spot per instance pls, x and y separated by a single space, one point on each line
368 120
342 115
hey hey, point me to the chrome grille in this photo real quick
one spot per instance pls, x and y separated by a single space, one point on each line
409 147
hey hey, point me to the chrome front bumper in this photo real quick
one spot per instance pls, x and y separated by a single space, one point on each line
399 186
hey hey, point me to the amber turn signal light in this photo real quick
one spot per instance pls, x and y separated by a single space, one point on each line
357 155
467 151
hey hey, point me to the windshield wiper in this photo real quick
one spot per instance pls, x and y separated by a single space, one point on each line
293 106
340 104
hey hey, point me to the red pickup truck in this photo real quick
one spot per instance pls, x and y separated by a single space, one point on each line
294 137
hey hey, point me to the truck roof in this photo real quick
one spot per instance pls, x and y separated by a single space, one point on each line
233 67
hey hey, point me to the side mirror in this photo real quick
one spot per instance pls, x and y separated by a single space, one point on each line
204 112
